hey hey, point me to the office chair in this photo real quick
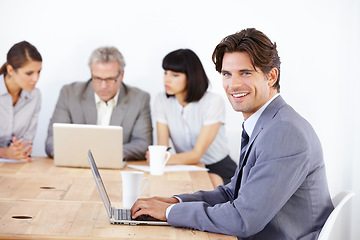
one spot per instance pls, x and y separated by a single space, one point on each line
339 201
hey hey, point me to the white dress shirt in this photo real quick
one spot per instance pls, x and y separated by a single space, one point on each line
104 109
250 123
185 123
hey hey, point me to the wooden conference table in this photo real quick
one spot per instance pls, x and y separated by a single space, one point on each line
41 201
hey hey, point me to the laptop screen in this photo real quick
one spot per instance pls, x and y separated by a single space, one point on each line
72 141
99 183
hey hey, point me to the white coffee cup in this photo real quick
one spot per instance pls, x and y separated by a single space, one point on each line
158 159
131 184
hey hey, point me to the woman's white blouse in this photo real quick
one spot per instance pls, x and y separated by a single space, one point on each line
185 123
19 120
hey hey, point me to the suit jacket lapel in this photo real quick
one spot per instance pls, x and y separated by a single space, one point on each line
89 105
269 112
118 113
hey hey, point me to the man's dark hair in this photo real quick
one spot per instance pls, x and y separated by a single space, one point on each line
262 52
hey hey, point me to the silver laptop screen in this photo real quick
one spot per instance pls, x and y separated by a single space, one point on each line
71 141
99 183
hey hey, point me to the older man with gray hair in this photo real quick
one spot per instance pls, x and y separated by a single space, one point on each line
106 100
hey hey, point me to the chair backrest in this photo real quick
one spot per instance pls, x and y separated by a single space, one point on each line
339 201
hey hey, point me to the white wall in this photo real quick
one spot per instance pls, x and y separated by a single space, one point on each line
318 42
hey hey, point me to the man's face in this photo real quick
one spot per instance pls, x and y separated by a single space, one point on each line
247 89
106 79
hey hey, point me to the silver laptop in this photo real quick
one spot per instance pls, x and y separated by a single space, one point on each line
118 216
72 141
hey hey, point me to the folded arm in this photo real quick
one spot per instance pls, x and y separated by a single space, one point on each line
204 140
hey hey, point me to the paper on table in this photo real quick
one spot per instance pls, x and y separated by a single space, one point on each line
171 168
5 160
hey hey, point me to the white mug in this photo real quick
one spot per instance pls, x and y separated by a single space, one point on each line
131 184
158 159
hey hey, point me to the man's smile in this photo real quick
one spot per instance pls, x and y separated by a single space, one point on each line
238 95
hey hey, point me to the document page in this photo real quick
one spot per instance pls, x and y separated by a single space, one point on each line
171 168
5 160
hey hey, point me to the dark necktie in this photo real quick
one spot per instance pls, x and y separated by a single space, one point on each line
244 143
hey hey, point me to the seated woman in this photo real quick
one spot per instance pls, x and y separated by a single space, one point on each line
19 101
192 117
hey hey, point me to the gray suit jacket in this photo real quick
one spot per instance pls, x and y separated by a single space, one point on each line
283 192
76 104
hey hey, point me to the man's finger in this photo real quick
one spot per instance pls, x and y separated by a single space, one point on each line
139 208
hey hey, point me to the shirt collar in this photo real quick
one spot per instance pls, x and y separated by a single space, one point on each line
25 94
250 123
4 91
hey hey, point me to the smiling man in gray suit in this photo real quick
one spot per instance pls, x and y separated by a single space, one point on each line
279 190
106 100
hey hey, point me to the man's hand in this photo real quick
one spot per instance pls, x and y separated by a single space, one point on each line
155 207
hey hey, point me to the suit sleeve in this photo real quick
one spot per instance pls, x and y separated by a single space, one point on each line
141 135
61 115
269 181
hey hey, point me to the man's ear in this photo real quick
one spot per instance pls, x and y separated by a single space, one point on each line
122 75
273 76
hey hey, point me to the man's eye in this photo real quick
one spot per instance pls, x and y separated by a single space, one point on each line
226 74
28 73
246 74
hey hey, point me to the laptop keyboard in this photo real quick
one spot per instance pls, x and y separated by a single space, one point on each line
125 214
122 214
